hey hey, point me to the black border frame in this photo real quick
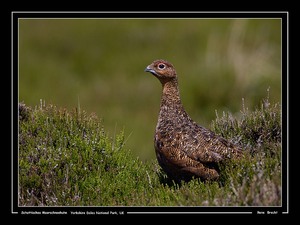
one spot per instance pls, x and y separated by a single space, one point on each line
136 210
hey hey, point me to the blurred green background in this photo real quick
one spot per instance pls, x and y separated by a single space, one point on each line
100 64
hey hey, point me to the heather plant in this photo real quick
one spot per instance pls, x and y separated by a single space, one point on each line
66 158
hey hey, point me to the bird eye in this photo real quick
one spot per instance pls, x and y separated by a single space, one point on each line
161 66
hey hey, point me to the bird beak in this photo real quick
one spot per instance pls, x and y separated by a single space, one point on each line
149 69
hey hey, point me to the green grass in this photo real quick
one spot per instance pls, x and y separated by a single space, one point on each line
66 158
101 62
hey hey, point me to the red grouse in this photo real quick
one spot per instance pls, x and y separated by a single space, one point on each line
184 149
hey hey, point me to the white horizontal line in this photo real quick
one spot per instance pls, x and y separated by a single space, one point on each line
189 212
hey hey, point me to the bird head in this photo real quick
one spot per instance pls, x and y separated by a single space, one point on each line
162 69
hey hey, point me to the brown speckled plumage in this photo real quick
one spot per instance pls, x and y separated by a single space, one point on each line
183 148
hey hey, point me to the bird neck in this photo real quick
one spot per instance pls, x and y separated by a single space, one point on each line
170 93
171 112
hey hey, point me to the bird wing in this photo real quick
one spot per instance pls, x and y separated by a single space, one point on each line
207 147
